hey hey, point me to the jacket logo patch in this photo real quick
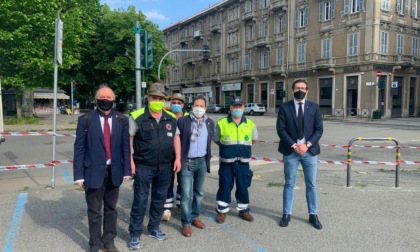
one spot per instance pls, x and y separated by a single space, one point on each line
246 138
168 126
227 138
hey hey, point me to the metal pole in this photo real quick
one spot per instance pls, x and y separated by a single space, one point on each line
72 106
397 164
137 31
1 111
55 101
177 50
349 161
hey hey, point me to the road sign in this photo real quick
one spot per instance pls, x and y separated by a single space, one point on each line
394 84
378 73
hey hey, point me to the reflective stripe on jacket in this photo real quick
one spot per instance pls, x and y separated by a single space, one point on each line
235 140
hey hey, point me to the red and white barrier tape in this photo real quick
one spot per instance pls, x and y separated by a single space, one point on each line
24 167
46 133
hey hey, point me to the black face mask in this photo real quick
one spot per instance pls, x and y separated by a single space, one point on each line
299 95
104 104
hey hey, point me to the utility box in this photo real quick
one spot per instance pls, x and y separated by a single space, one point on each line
376 114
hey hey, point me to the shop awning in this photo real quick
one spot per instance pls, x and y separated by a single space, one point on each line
50 96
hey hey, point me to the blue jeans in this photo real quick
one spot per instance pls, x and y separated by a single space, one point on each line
193 175
309 166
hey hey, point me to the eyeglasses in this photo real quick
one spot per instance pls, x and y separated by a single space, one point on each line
179 103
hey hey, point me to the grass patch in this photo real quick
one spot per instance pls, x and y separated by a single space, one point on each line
275 184
21 120
411 170
385 170
361 184
25 189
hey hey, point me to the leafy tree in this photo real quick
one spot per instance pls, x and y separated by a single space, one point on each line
27 31
111 59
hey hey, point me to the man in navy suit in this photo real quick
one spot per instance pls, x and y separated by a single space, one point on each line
101 162
299 126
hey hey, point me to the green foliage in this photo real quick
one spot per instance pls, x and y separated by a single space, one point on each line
27 33
98 46
21 121
275 184
111 59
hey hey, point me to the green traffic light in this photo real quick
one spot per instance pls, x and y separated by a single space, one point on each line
146 50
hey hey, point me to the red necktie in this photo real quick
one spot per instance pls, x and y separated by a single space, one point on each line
107 138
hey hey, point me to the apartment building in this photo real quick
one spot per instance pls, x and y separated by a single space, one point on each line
258 48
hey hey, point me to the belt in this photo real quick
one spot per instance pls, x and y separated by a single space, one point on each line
196 157
232 160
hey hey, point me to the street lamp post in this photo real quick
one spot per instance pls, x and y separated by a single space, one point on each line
137 31
177 50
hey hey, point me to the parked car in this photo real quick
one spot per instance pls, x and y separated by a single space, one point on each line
253 108
225 109
213 108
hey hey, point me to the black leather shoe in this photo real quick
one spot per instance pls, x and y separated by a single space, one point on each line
313 219
284 222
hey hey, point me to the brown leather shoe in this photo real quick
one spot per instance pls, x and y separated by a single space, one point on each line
246 216
186 231
198 224
220 217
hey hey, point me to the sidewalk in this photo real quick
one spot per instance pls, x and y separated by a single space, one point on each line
63 123
69 123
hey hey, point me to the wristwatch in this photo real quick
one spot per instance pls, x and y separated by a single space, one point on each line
308 144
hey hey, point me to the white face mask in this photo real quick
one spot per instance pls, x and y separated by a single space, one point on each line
198 112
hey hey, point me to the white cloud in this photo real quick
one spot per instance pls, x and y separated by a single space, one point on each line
155 15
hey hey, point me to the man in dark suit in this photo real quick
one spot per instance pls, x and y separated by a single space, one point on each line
101 163
299 126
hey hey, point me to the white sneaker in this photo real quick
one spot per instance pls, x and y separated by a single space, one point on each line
166 216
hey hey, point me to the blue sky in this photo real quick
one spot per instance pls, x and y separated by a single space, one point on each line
164 12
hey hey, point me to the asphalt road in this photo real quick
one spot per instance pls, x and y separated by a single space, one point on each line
371 215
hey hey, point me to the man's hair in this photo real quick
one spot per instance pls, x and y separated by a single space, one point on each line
198 98
299 80
104 86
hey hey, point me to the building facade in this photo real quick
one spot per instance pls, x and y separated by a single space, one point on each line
358 56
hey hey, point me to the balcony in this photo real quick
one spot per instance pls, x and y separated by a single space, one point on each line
216 28
353 59
198 80
279 69
280 37
184 40
216 77
232 49
323 63
278 4
263 41
247 73
250 43
406 60
189 60
248 15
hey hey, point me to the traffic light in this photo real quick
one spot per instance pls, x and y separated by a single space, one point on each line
206 52
381 83
146 50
